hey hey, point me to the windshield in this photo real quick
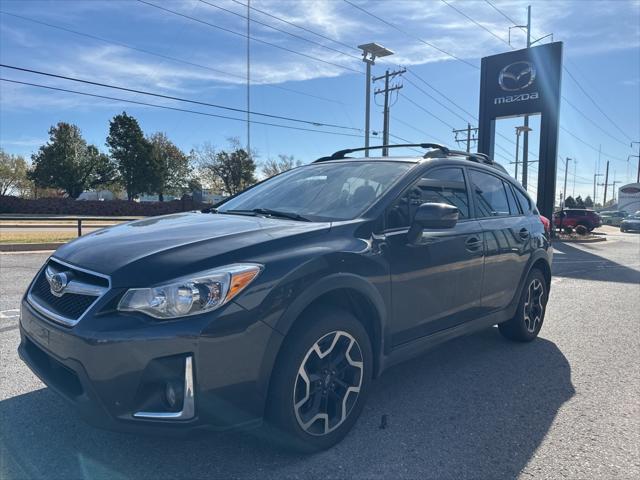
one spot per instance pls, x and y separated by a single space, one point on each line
321 192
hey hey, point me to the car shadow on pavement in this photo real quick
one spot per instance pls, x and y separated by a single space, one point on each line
476 407
585 264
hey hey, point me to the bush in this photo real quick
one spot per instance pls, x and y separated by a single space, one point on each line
120 208
567 230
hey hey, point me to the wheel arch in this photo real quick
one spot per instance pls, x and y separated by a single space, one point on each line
342 290
350 292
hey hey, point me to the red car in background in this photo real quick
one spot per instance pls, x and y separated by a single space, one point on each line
572 217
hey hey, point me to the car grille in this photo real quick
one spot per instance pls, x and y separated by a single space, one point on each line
71 305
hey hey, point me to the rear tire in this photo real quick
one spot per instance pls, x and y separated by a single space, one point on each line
320 382
527 322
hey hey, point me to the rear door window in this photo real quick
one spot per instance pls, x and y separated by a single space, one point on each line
490 195
523 200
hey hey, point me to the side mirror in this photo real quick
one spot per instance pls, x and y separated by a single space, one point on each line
432 215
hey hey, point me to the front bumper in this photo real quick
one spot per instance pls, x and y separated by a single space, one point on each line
110 367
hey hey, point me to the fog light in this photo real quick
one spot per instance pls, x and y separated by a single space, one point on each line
171 395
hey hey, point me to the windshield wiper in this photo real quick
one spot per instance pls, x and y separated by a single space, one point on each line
270 212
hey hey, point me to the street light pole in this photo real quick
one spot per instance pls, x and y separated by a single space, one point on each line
370 51
519 130
367 108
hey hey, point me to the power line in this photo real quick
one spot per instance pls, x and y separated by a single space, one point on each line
442 94
160 55
586 117
436 100
233 32
171 97
505 15
297 26
604 154
280 30
475 22
386 22
595 103
413 102
165 107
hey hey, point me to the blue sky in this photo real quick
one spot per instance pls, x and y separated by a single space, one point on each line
601 42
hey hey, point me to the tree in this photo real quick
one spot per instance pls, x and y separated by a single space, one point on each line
231 171
132 153
13 173
569 202
67 163
170 166
285 162
588 202
579 202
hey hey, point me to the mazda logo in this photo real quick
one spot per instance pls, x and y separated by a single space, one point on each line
57 283
517 76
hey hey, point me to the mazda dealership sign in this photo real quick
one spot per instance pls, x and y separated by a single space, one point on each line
518 83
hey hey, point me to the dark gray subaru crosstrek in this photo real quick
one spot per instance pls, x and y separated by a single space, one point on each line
288 299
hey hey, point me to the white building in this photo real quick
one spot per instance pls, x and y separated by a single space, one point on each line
629 197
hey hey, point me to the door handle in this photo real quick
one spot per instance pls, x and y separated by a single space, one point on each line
473 244
524 233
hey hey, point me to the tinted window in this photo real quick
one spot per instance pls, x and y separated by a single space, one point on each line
322 191
443 185
513 206
525 203
490 195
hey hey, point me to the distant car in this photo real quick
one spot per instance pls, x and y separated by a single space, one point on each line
613 217
631 223
572 217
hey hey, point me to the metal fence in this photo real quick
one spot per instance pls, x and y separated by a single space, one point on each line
63 218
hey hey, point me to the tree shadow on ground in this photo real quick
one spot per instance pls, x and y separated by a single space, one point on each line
476 407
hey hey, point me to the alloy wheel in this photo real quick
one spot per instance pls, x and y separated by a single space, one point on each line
328 383
533 306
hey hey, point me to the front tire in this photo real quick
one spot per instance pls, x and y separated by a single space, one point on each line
527 322
321 381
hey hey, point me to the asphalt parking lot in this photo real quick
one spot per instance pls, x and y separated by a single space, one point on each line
564 406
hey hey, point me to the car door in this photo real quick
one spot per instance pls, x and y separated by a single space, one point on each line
507 236
436 282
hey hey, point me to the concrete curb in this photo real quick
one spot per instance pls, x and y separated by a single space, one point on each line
29 247
579 240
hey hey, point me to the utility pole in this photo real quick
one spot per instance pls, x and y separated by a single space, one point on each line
525 137
595 176
564 191
573 191
386 90
471 136
613 186
638 174
606 182
248 77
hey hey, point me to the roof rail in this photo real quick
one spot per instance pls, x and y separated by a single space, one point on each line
436 150
341 153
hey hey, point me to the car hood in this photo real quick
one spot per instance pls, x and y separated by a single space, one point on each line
160 248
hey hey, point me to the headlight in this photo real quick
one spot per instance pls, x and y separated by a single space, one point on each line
191 295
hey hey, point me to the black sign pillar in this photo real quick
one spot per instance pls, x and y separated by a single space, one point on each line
525 82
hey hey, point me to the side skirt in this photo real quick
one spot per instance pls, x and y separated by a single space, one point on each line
420 345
